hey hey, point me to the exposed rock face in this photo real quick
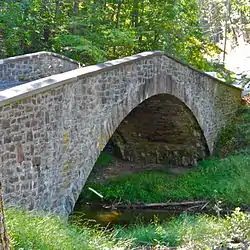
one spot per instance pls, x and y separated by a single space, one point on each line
4 240
161 130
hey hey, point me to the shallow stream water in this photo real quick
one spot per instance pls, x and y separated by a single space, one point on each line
99 214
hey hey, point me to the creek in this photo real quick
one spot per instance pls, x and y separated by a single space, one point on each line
107 214
104 214
96 212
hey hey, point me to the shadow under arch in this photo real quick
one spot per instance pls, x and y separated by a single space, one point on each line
161 129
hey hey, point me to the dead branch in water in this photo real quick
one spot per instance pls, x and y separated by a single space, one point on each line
161 205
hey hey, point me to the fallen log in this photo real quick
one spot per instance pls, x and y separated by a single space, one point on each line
161 205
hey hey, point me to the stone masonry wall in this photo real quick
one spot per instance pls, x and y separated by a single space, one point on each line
52 132
34 66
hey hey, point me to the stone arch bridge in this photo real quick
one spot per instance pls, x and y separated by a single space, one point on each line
54 126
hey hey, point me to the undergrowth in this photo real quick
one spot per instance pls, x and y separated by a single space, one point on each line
192 232
33 230
235 137
225 179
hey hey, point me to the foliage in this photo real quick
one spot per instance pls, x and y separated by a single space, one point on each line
29 25
95 31
192 232
213 19
235 137
33 230
79 48
121 28
225 179
104 159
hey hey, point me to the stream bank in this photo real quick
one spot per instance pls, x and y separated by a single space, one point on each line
222 180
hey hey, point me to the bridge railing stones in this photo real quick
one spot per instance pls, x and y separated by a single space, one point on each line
34 66
53 129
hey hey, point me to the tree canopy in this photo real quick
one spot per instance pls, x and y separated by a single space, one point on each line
94 31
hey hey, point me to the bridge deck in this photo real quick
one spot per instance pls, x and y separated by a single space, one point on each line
6 85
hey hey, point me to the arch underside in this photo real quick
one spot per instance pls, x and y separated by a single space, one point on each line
160 130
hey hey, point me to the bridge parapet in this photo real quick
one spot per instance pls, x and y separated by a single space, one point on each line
34 66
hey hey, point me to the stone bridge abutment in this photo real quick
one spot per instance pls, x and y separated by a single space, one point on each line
52 130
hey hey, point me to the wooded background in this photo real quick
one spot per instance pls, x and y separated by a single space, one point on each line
94 31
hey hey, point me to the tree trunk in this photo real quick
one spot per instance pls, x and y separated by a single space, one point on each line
135 14
4 240
118 13
57 12
76 7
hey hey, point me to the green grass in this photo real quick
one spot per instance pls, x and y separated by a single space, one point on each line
32 230
236 135
104 159
225 179
191 232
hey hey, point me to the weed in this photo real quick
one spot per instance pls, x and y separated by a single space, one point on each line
104 159
225 179
191 232
33 230
236 135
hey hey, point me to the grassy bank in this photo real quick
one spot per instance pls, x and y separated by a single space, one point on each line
31 230
226 179
46 232
192 232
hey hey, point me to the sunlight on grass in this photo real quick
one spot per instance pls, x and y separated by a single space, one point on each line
197 232
225 179
33 230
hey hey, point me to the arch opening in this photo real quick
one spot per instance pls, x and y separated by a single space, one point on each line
161 129
159 132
